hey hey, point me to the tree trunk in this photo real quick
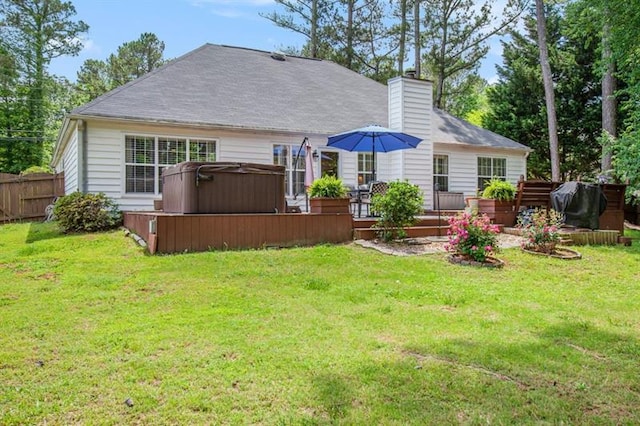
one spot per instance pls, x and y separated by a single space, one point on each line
350 6
314 29
548 92
608 98
441 66
403 36
416 36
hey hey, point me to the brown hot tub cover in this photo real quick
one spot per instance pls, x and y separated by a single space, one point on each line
223 187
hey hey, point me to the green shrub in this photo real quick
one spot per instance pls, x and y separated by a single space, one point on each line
37 169
398 207
327 187
79 212
499 190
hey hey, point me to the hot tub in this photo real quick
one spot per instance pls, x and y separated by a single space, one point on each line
223 187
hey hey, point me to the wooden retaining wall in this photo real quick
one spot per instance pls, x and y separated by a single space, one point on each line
25 197
173 233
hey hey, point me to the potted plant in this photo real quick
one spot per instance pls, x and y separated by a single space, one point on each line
328 195
497 202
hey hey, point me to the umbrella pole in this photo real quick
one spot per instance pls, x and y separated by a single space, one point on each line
373 159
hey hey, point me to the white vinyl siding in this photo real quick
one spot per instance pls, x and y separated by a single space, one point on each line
463 163
410 109
70 160
105 156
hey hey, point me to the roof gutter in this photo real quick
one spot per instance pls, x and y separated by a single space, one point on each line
199 125
525 148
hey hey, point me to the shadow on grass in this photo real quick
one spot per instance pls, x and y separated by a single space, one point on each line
39 231
573 372
335 395
570 373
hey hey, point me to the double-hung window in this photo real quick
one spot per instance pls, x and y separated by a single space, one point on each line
170 151
286 155
365 167
491 168
441 172
147 156
140 159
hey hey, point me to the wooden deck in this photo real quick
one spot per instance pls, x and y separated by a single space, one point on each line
175 233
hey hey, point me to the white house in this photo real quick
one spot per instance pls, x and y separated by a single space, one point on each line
220 103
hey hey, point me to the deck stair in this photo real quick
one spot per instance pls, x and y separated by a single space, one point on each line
427 226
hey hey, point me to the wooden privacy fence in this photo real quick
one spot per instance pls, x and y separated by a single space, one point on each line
25 197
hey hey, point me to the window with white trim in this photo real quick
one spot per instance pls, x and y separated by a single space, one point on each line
170 151
441 172
147 156
365 167
286 155
140 159
491 168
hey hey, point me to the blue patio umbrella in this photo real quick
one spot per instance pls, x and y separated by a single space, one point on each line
373 139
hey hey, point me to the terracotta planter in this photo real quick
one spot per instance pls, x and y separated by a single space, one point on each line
472 204
329 205
500 212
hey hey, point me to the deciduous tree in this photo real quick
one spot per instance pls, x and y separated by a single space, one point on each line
35 32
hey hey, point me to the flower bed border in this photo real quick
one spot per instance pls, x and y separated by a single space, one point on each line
572 254
492 262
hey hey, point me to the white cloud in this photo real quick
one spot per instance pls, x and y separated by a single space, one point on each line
89 47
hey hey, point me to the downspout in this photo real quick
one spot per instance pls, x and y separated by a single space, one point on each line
82 156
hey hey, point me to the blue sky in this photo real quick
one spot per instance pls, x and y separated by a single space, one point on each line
185 25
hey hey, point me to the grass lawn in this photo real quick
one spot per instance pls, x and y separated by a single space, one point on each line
93 331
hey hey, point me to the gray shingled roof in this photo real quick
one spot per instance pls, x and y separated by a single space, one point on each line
236 87
244 88
450 129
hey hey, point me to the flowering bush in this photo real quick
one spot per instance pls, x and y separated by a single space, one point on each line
472 236
540 230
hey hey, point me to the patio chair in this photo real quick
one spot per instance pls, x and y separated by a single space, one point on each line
375 188
354 198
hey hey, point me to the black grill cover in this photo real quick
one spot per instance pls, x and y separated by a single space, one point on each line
581 203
